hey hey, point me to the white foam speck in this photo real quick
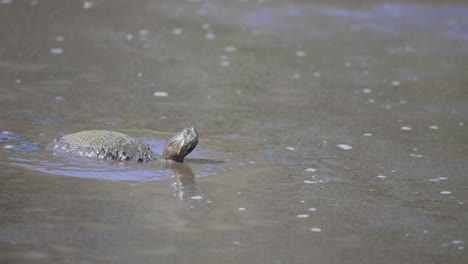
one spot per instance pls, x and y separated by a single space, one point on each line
300 53
230 49
302 216
461 124
5 2
59 98
312 209
241 208
251 162
129 37
8 146
311 170
434 127
18 81
59 38
381 177
206 26
366 90
177 31
461 248
416 155
445 192
344 146
236 242
315 230
56 51
443 178
317 74
160 94
367 134
196 197
348 64
87 5
371 100
290 148
406 128
296 76
395 83
457 242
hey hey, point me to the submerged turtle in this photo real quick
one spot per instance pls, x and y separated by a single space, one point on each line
102 144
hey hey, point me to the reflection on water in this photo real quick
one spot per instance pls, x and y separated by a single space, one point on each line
330 132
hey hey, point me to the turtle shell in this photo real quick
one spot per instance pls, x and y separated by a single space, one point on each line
102 144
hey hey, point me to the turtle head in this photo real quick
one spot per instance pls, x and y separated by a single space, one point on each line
180 145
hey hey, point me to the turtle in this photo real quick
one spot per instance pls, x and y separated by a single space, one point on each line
110 145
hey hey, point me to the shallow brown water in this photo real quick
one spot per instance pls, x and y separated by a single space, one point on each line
278 90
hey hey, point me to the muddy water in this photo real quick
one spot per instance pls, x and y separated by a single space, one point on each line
331 132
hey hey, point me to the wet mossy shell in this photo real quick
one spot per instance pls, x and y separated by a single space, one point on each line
102 144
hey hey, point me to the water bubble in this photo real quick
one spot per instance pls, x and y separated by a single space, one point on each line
461 124
434 127
406 128
87 5
344 146
18 81
367 134
59 38
241 208
210 36
316 74
196 197
296 76
161 94
290 148
445 192
9 147
230 49
315 230
56 51
300 53
366 90
311 170
395 83
371 101
143 32
457 242
348 64
59 98
381 177
303 216
236 242
312 209
416 155
177 31
225 63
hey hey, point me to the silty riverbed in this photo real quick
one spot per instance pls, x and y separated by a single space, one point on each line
330 131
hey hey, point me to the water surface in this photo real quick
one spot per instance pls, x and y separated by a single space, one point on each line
330 132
